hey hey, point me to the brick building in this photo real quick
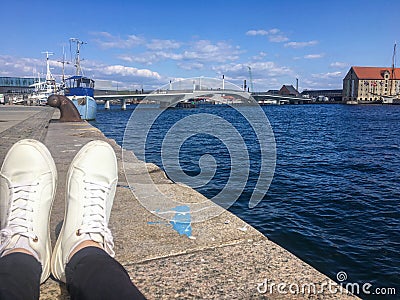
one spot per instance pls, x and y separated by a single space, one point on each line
288 90
371 84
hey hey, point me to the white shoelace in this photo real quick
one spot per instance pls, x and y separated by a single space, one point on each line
94 217
20 219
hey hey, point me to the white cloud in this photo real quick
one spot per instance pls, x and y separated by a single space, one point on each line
301 44
328 75
258 69
190 65
157 44
169 55
340 65
275 35
274 31
266 75
107 41
278 38
128 71
149 58
30 67
193 54
260 56
269 68
164 49
257 32
328 80
313 56
207 51
321 83
12 66
126 57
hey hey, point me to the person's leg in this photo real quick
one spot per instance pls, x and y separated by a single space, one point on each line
83 256
19 277
93 274
27 187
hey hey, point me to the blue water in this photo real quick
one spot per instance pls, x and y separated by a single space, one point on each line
335 197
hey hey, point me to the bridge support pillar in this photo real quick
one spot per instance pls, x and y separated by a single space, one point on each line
107 104
123 104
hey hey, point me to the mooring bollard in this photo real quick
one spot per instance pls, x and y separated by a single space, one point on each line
68 111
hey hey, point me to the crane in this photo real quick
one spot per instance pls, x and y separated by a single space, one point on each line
251 80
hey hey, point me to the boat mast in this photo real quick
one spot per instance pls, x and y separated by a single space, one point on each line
393 79
49 76
63 62
78 69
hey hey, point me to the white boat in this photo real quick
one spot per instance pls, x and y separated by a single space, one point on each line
352 102
390 100
80 89
44 89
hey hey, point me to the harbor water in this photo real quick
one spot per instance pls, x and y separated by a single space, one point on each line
334 200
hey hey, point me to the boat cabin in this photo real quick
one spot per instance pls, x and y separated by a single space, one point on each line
79 86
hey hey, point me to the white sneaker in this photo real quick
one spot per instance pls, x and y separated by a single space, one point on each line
91 183
28 179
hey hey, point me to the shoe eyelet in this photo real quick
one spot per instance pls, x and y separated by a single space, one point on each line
78 232
35 239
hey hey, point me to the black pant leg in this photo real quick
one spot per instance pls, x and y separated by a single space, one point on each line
19 277
93 274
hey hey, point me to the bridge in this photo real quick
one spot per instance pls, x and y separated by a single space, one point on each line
170 98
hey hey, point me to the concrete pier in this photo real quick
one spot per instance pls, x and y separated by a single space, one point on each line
227 259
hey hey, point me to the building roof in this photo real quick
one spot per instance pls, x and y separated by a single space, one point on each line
375 72
290 89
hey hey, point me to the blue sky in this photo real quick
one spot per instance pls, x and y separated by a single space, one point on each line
148 43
